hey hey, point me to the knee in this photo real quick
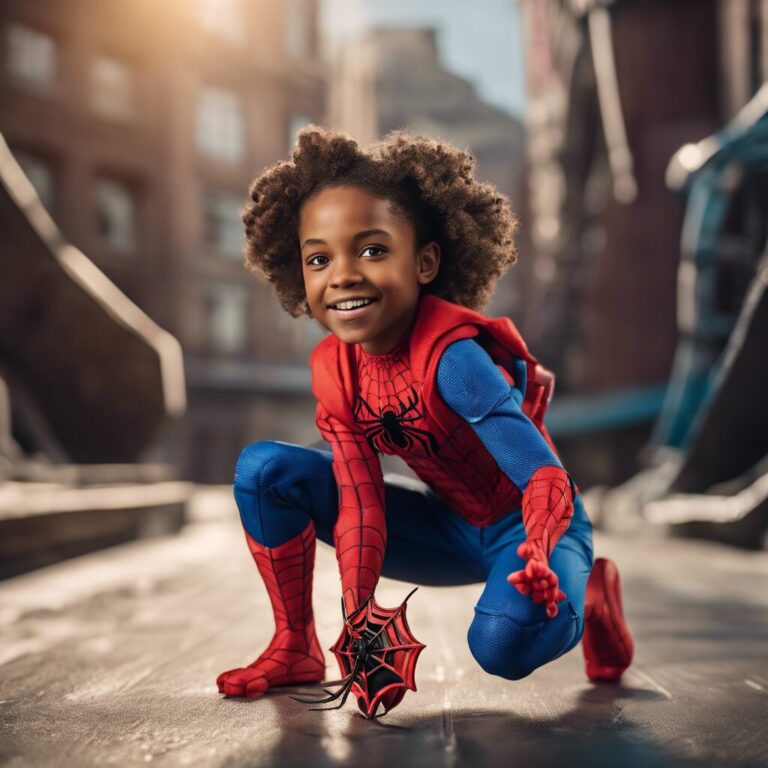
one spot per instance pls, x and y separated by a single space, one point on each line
260 463
271 509
511 649
500 646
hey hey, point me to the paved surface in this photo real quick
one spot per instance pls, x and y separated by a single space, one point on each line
111 660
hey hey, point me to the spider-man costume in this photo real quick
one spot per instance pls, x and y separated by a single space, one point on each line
461 400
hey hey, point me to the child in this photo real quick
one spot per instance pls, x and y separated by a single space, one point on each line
392 249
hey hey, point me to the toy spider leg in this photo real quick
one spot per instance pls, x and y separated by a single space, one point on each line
377 655
407 407
345 684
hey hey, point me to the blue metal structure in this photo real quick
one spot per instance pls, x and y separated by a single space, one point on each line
724 234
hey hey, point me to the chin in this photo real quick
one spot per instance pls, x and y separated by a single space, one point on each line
351 336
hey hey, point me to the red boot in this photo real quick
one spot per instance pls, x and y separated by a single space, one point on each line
294 654
607 642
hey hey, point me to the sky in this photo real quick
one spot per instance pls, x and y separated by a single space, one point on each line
480 40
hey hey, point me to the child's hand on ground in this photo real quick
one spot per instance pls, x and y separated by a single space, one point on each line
537 579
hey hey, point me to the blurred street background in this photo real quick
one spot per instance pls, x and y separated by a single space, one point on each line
138 357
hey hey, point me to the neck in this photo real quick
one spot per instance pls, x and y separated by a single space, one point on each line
392 350
401 342
395 351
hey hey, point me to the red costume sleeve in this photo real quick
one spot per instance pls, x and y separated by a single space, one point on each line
360 533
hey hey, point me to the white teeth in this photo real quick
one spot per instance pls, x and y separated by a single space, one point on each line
353 304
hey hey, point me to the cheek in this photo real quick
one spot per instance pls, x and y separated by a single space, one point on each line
310 286
406 285
397 278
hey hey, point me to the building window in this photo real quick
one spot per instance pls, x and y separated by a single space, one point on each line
297 29
220 127
223 17
114 89
116 215
227 318
40 174
32 56
297 123
223 225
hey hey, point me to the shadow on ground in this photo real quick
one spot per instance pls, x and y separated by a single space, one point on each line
473 737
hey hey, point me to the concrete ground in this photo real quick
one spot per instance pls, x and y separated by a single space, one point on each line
111 659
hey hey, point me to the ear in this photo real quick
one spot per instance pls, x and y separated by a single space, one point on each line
428 263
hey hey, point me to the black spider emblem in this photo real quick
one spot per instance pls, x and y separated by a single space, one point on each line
394 428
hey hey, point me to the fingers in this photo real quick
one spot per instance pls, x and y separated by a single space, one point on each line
558 597
520 582
534 576
540 583
533 584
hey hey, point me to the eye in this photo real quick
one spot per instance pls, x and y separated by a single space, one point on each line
376 248
318 260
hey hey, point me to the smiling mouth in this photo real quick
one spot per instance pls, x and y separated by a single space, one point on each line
351 305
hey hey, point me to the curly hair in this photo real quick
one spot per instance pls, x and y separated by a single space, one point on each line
427 181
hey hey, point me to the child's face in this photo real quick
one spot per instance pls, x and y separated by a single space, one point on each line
354 246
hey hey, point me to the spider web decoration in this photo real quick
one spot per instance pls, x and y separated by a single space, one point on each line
389 655
377 655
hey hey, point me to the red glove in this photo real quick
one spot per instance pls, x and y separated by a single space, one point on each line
547 513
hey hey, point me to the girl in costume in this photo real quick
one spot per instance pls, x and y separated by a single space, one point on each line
394 249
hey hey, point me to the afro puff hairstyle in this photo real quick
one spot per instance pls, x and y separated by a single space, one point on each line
427 181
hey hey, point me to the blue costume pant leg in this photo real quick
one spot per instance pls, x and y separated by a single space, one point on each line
280 487
511 635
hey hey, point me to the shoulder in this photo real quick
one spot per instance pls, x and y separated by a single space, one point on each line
326 362
329 380
441 323
469 381
463 352
324 351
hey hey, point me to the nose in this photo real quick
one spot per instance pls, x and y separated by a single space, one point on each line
345 272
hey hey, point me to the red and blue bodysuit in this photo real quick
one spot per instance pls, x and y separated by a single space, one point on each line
460 400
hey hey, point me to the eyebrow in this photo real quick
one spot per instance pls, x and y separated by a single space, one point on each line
358 236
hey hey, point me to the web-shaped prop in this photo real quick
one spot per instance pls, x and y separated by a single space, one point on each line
377 656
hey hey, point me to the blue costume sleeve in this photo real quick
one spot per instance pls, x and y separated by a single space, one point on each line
470 384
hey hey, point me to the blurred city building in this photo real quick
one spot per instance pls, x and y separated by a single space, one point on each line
614 90
88 383
141 126
633 103
392 78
